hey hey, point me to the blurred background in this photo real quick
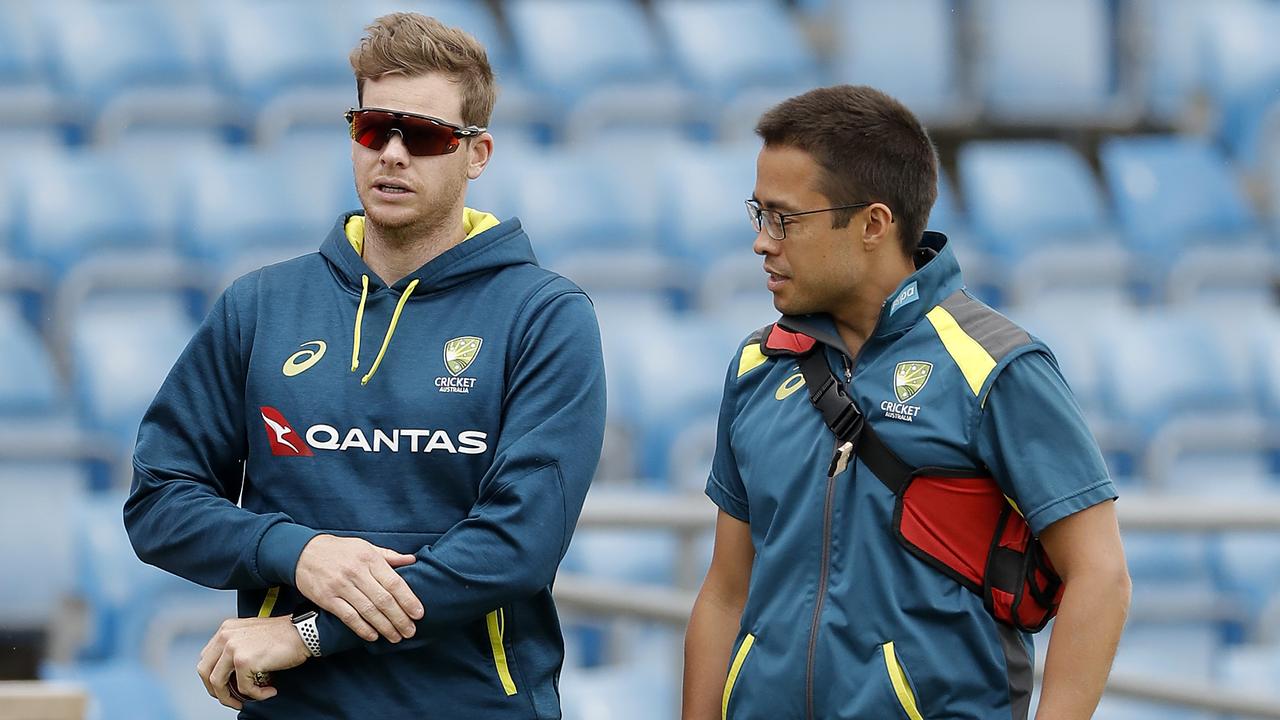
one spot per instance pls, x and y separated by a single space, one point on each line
1111 180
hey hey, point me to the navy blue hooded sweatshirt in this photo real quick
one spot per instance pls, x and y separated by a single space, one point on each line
457 415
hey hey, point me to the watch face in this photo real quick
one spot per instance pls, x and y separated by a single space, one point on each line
303 617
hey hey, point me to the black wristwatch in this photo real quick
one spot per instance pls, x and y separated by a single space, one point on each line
305 623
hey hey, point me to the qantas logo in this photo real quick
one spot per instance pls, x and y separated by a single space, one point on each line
285 441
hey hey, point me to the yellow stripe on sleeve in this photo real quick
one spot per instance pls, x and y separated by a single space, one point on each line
975 362
750 359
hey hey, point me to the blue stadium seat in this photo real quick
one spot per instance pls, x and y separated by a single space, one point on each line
614 75
570 47
261 50
1252 669
473 17
572 202
1170 651
723 46
1026 195
1168 558
1242 70
1042 61
1114 708
1182 211
27 97
36 531
630 556
947 215
1247 565
121 689
1038 210
1173 55
703 190
285 197
1266 363
932 84
123 346
21 54
983 275
105 52
1271 175
30 388
631 691
110 209
669 372
121 593
1158 367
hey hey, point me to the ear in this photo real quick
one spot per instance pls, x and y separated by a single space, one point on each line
878 227
479 151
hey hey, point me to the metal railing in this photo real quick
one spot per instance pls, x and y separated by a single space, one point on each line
691 516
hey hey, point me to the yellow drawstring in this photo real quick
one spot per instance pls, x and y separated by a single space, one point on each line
355 345
391 329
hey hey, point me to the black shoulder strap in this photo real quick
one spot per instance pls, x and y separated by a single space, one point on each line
846 421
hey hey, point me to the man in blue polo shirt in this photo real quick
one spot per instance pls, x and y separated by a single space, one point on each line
814 606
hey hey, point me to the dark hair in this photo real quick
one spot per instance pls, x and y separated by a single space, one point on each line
870 148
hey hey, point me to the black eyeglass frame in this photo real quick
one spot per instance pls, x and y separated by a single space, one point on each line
756 213
459 131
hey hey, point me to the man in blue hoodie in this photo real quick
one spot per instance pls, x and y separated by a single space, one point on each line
384 446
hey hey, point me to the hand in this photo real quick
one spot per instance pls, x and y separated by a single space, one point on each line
245 646
357 582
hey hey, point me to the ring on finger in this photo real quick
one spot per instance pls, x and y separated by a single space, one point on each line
261 678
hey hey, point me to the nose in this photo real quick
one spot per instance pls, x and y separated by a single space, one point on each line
764 243
394 152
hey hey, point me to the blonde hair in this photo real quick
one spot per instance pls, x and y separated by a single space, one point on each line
413 44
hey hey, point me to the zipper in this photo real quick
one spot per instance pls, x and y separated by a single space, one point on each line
826 558
497 622
822 595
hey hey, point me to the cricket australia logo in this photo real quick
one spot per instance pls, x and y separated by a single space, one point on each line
459 353
909 379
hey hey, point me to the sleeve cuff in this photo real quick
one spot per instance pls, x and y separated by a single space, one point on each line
279 549
727 501
1046 515
335 637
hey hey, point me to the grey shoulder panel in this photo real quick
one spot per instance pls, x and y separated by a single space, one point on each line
997 334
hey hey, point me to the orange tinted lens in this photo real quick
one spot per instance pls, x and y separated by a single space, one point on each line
423 137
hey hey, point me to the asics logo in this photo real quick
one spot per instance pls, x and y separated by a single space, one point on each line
302 360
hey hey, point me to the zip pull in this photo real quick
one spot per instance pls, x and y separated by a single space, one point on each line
840 461
848 369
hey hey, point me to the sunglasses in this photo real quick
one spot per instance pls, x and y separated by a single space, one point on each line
422 134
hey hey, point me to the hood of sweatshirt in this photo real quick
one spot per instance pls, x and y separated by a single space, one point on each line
489 245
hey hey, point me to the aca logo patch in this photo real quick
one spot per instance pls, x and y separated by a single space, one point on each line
459 353
910 377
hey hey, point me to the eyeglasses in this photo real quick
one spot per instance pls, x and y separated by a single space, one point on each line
776 222
422 134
